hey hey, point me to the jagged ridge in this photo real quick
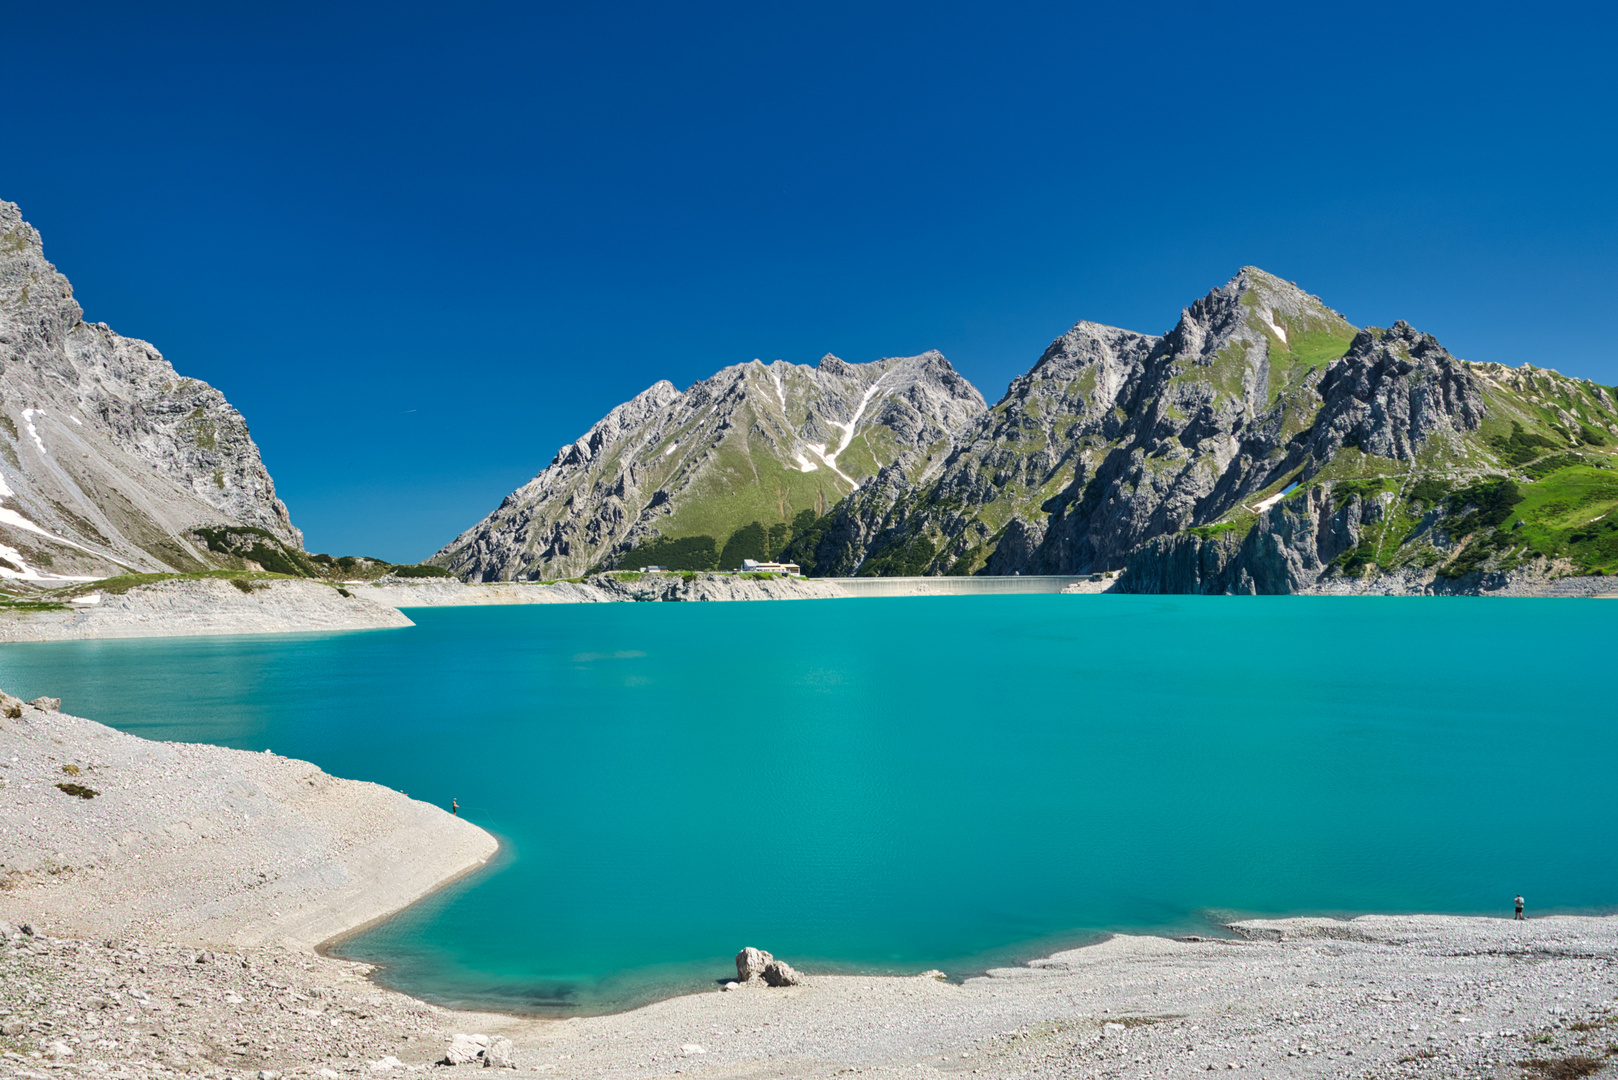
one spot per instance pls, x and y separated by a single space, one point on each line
755 442
1170 456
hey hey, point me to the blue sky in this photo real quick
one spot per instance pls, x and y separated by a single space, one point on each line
421 247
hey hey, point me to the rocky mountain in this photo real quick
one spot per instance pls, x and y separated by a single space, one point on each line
109 459
1112 438
1253 448
698 477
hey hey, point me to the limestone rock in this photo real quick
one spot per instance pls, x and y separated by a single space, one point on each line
750 963
49 704
499 1054
465 1050
781 973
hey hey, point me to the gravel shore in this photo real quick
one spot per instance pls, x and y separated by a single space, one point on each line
172 920
600 589
183 607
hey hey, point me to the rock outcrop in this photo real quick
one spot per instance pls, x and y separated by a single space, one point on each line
750 964
755 442
755 965
108 457
781 973
478 1050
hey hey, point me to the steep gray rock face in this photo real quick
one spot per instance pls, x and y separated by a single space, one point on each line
755 442
107 456
1113 438
1286 551
1391 393
1396 395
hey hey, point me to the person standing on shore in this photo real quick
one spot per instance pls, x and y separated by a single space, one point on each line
455 808
1519 905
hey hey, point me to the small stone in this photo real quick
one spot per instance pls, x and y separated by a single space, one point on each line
750 963
732 985
27 931
48 704
13 1027
781 973
498 1055
329 1074
385 1064
268 1074
1111 1029
692 1050
61 1049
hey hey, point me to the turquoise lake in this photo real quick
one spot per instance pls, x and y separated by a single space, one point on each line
901 784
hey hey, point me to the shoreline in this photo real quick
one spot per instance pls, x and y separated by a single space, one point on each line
202 607
212 607
193 972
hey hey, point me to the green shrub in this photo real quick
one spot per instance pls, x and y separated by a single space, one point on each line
259 545
1521 447
1478 552
1344 490
1493 499
79 790
1208 532
1429 490
1594 544
748 542
419 570
807 532
1539 470
962 567
1354 561
686 553
904 558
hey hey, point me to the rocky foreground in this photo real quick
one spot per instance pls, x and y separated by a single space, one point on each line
165 926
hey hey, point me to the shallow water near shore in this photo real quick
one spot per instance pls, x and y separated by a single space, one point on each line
895 785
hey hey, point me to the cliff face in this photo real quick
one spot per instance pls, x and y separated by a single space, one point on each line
754 443
108 457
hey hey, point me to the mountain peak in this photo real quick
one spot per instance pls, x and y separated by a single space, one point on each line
754 445
85 412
